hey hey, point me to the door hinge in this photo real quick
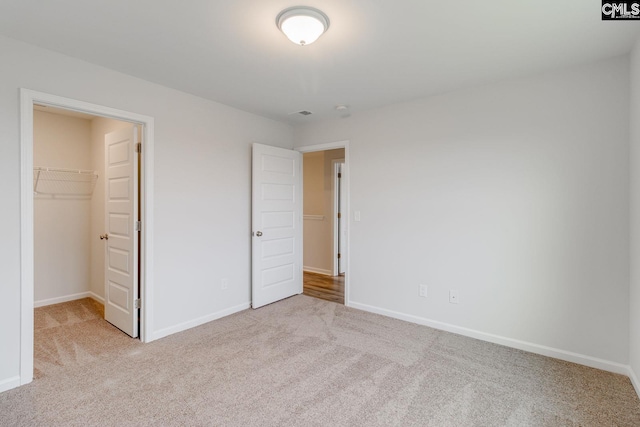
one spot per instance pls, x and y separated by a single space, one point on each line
339 175
139 147
339 215
138 226
338 256
137 303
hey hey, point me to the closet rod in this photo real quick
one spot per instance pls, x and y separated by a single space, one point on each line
79 171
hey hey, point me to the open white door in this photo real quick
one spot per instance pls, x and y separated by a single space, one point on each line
121 213
277 224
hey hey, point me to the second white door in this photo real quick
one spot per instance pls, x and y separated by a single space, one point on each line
277 224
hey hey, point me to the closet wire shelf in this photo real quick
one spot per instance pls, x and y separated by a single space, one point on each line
67 182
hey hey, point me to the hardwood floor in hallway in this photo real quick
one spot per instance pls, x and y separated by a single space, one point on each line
324 287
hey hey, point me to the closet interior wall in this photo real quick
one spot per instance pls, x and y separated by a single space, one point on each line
69 256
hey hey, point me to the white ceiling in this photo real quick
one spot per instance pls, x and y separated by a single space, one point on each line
376 52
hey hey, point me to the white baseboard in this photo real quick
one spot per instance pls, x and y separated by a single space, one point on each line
66 298
9 383
318 271
634 380
200 321
96 297
568 356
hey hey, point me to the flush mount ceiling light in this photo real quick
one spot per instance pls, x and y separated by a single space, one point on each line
302 25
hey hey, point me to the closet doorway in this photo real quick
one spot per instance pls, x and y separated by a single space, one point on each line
86 219
86 213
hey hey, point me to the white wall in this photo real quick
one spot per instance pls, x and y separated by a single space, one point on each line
100 126
515 194
61 223
202 188
318 202
634 307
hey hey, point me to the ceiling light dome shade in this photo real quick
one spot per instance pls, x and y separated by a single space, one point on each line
302 25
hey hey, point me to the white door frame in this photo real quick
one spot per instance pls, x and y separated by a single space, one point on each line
335 186
27 100
333 146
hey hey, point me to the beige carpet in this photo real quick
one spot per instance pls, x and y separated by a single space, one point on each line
301 362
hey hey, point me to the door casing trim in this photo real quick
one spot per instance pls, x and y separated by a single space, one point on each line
335 186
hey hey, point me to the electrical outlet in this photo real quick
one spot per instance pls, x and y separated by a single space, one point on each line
224 283
454 297
422 291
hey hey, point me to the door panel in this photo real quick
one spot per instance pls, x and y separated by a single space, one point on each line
277 224
121 211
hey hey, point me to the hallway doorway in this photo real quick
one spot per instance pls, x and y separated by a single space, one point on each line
325 224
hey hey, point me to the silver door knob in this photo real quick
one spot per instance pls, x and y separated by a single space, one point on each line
104 236
258 233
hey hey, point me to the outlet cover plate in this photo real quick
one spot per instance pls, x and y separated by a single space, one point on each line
422 291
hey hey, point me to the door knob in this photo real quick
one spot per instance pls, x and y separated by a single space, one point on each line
258 233
104 236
